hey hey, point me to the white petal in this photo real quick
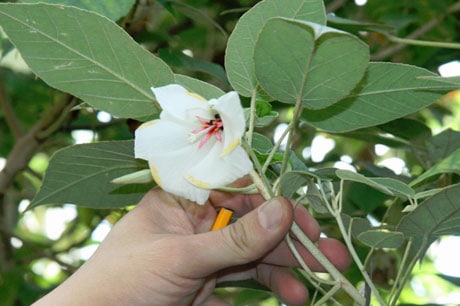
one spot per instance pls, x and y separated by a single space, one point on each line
180 103
160 136
168 170
215 171
229 108
165 145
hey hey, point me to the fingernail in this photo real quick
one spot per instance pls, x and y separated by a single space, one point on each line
270 214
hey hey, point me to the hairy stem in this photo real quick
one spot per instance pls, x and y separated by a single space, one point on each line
252 117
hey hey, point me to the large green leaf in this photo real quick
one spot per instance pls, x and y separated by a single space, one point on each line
291 181
433 218
301 61
383 184
442 145
239 61
450 164
381 238
81 175
387 92
354 26
177 59
111 9
204 89
87 55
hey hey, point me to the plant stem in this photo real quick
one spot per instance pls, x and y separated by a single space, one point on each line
397 283
330 268
297 111
406 276
354 255
252 117
251 189
336 210
424 43
276 147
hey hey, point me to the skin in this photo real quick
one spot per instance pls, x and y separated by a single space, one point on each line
162 253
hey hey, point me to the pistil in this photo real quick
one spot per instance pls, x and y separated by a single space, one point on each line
207 129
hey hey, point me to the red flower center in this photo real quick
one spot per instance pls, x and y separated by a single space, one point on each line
207 129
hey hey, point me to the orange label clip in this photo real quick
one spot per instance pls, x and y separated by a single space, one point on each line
223 219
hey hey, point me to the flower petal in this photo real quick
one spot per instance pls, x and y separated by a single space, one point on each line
215 171
168 170
176 101
230 111
159 135
166 147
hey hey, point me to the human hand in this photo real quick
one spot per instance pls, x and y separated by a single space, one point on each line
162 253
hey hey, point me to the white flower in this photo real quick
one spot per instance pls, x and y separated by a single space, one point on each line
194 146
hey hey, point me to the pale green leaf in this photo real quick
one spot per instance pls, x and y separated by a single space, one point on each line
86 55
300 61
381 238
111 9
143 176
177 59
261 144
450 164
355 225
354 26
239 61
397 187
291 181
359 178
387 92
82 175
204 89
384 184
433 218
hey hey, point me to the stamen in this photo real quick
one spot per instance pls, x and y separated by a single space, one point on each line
207 129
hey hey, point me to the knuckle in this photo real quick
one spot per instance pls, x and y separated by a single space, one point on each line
240 242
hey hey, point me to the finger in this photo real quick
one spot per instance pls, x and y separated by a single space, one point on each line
307 223
244 241
241 204
283 283
333 249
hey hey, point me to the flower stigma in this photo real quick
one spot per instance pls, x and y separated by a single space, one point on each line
207 129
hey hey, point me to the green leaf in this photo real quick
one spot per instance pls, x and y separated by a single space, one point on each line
179 60
239 61
204 89
387 92
397 188
111 9
355 225
264 115
357 26
433 218
450 164
408 129
382 238
261 143
442 145
321 65
386 185
143 176
291 181
315 198
86 55
81 175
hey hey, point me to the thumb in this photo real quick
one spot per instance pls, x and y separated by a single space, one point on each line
244 241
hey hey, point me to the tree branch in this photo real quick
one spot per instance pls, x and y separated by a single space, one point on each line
10 117
27 145
388 52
